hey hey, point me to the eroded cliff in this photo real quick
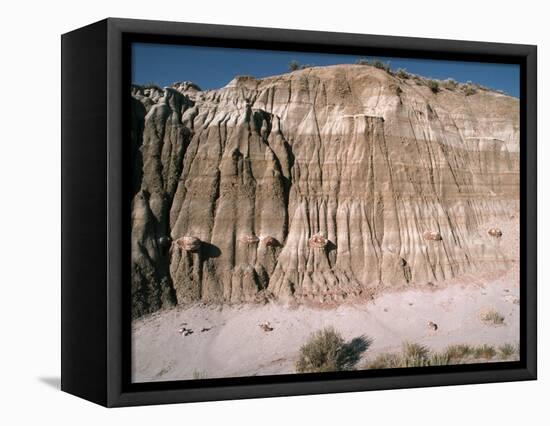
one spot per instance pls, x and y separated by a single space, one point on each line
318 185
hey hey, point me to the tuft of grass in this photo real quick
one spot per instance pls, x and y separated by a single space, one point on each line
468 89
199 375
433 85
440 359
385 360
415 355
402 73
507 350
493 317
484 351
458 352
415 350
293 65
374 63
381 65
450 84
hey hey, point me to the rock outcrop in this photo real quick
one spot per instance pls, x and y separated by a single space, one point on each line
317 185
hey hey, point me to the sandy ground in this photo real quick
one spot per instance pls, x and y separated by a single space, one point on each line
228 341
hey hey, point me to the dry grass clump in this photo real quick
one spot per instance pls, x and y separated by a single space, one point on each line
385 360
411 355
492 317
507 350
199 375
374 63
450 84
457 353
294 65
402 73
468 89
484 351
416 355
326 350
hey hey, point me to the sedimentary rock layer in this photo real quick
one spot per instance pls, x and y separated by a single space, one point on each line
320 184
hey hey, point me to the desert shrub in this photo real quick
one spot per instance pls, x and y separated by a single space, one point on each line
321 353
401 73
374 63
468 89
433 85
450 84
506 350
326 351
381 65
484 351
398 90
493 317
481 87
293 65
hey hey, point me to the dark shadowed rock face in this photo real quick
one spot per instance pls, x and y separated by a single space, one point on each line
321 184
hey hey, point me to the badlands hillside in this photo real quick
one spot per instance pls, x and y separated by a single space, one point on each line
319 186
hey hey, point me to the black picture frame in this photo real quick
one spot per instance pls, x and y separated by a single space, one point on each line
95 212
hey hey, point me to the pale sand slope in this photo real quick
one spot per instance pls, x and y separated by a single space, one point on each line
236 346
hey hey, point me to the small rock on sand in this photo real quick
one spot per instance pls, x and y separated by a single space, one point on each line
266 326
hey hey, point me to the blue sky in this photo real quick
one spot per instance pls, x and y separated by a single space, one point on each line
214 67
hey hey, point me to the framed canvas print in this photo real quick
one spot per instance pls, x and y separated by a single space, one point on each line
252 212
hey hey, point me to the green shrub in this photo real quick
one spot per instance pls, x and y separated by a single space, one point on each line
401 73
433 85
450 84
468 89
381 65
374 63
293 65
321 353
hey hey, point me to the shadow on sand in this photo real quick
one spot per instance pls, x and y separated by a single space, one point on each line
352 351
